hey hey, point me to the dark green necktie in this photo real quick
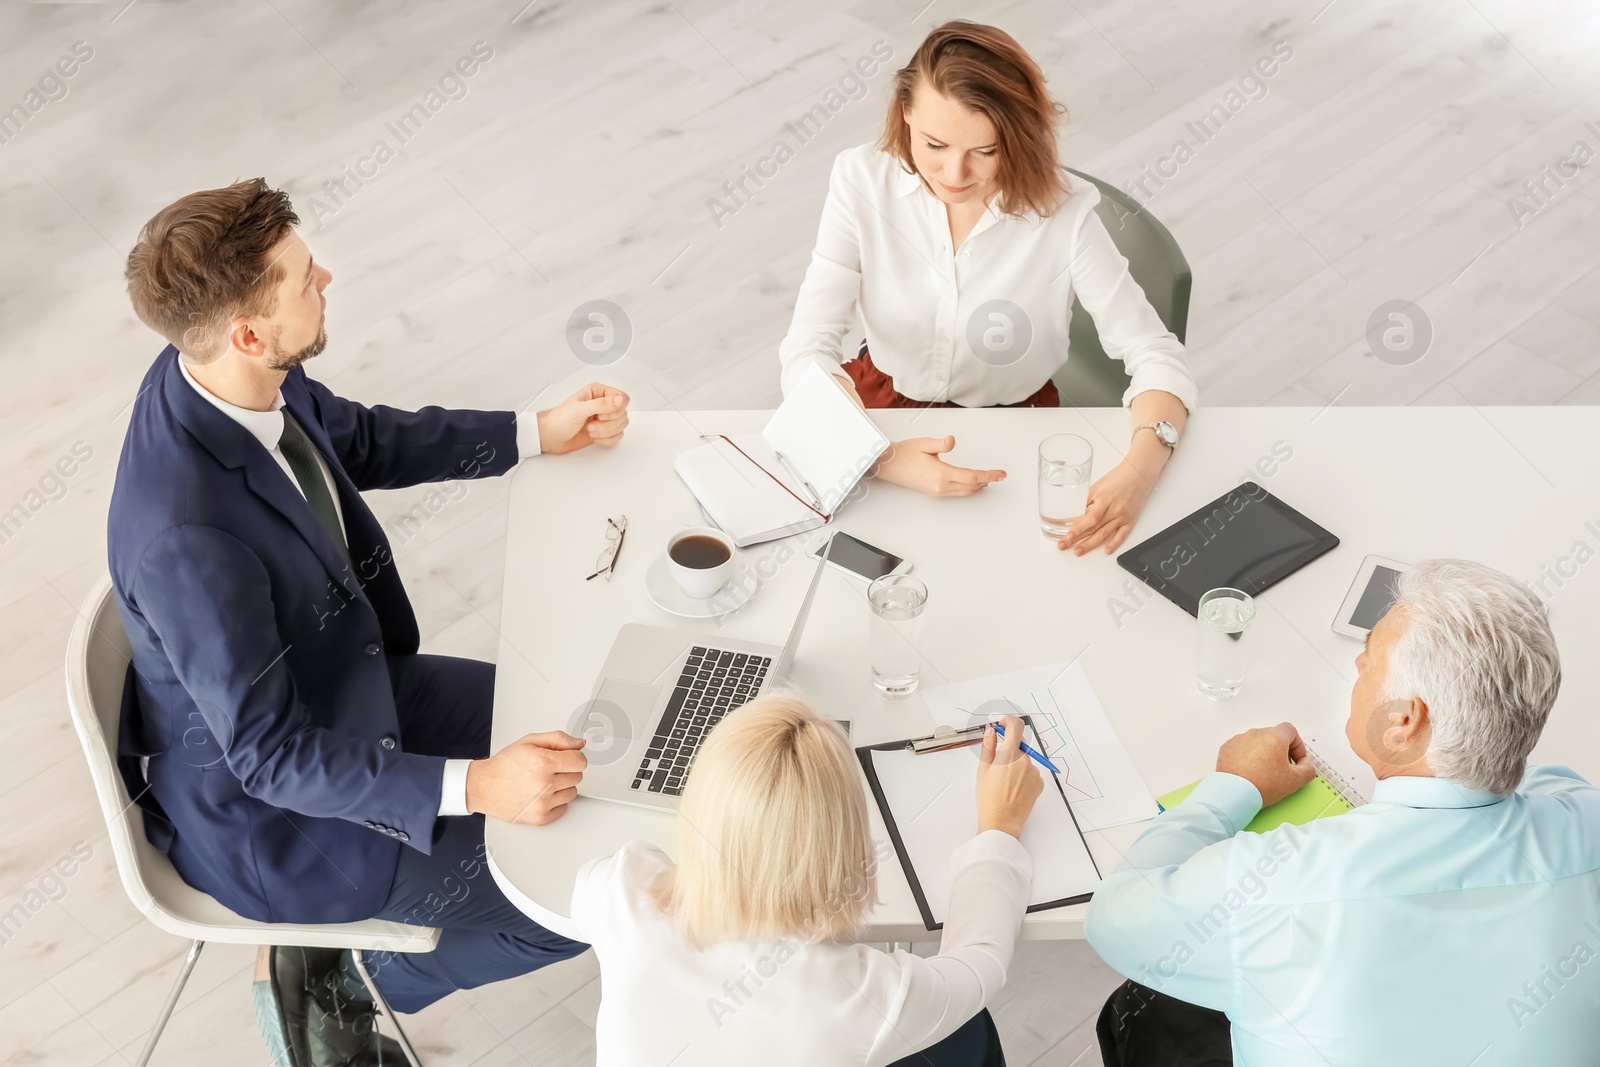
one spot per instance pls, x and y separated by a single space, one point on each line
302 456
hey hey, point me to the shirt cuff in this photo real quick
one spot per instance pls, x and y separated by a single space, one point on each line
527 436
991 844
453 790
1235 797
1166 380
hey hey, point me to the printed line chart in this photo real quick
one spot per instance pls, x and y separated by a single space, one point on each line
1044 708
1098 776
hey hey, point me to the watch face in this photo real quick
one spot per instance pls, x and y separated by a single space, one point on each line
1167 433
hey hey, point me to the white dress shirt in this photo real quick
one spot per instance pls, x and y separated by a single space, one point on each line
267 427
1435 925
788 1003
883 252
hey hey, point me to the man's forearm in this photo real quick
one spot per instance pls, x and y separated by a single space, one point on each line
1219 807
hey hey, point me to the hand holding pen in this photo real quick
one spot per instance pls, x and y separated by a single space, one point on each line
1008 781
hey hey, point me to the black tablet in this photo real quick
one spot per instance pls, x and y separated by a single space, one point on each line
1246 539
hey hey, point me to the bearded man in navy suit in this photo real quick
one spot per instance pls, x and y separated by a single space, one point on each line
297 758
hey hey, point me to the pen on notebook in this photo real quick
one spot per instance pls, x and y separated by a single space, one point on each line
816 499
1029 750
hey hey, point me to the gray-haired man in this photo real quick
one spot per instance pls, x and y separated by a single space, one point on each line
1453 920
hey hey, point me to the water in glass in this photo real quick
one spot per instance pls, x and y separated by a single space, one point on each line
897 603
1225 642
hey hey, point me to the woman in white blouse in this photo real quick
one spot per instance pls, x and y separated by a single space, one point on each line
739 953
936 236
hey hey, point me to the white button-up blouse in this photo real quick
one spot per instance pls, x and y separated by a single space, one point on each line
984 325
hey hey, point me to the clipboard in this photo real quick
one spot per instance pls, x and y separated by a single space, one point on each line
924 787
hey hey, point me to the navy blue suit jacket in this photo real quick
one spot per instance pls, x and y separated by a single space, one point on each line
259 688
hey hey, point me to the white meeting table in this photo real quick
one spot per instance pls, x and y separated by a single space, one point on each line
1512 487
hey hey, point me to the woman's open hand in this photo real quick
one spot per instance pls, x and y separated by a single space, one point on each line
915 464
1115 502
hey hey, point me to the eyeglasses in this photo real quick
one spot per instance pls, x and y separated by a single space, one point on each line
616 530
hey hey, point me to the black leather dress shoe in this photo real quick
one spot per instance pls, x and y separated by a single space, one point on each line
326 1023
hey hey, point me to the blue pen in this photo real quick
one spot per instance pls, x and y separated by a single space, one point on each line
1029 750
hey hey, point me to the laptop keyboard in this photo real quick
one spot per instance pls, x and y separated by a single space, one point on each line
713 683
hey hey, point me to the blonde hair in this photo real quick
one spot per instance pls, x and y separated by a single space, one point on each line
773 838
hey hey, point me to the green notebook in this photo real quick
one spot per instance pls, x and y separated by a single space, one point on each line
1315 800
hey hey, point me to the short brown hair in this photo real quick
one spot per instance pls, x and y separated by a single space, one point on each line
983 68
203 260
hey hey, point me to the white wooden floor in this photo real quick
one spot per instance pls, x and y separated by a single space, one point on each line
1380 162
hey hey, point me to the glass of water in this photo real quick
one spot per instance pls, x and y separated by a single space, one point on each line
1226 641
1065 461
897 602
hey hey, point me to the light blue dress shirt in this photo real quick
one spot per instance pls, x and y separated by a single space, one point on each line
1435 925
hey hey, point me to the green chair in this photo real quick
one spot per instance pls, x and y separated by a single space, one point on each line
1090 378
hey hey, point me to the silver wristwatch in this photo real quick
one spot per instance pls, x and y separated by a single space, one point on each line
1166 433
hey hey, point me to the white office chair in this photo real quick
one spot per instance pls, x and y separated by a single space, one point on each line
97 663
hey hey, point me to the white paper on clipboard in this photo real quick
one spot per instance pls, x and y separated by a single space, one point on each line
930 804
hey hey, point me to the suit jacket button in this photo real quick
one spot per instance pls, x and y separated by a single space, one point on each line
402 835
371 825
373 648
387 742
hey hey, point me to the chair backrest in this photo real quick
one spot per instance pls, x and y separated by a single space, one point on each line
97 663
98 654
1090 378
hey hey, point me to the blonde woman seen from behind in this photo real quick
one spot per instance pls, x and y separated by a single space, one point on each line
741 952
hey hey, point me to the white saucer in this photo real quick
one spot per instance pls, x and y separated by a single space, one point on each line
666 594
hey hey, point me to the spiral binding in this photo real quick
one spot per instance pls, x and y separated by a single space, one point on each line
1341 785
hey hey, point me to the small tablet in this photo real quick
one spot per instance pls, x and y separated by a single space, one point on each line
1371 596
1245 539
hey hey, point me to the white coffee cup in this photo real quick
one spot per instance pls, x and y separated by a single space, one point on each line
700 582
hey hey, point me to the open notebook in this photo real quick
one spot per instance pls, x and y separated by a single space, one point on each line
793 475
930 807
1329 793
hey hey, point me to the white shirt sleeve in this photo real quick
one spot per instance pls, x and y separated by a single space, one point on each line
1129 328
527 434
453 790
1173 882
992 876
825 310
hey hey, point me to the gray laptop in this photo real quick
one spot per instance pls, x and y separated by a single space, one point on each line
661 691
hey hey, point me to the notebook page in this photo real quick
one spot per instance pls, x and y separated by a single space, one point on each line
737 496
825 437
934 803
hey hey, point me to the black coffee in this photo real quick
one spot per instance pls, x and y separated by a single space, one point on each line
699 552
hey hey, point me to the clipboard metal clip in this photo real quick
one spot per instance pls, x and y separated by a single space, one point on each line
944 738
